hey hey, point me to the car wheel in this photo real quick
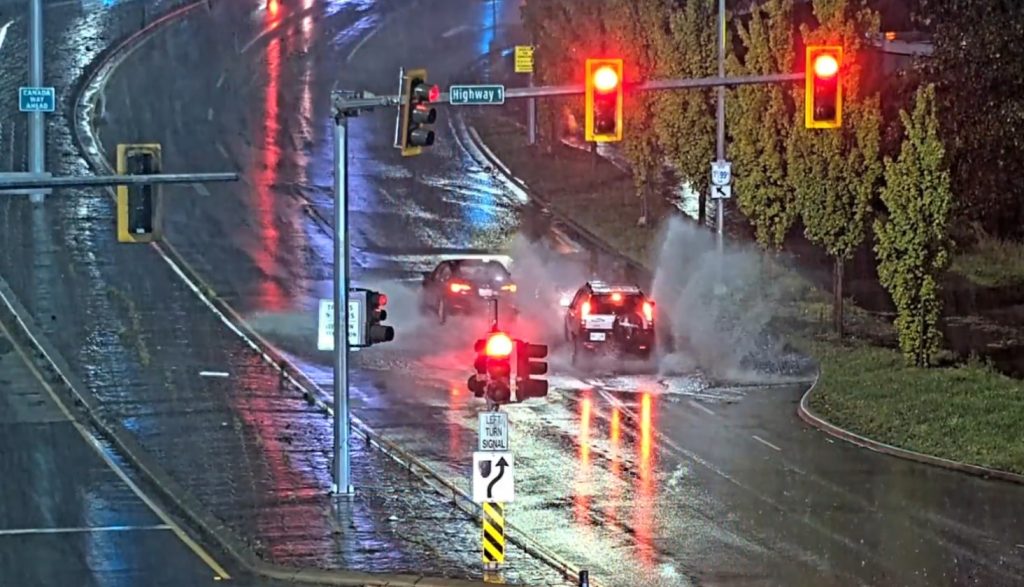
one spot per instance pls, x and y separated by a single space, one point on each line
442 312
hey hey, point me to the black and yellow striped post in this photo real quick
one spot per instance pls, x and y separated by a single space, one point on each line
494 534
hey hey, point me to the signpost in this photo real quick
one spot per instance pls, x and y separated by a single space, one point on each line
37 99
524 59
493 431
356 321
476 95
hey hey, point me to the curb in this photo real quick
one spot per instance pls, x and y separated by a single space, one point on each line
93 151
804 411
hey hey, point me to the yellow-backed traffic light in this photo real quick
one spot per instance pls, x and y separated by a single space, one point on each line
138 206
603 100
415 112
823 98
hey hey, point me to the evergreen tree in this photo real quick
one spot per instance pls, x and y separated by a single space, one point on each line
912 242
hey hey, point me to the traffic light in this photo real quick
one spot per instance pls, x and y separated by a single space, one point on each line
527 367
138 206
823 98
604 100
415 112
493 361
375 314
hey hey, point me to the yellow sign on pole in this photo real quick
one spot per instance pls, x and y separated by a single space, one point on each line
524 59
494 533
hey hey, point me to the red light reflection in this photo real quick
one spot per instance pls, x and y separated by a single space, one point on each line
272 7
272 296
645 503
581 493
615 480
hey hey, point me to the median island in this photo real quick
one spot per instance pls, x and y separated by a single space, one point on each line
964 411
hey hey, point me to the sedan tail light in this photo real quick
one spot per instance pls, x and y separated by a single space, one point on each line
458 287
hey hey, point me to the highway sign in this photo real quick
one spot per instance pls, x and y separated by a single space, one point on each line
493 477
493 431
325 324
37 99
721 192
721 172
476 95
524 59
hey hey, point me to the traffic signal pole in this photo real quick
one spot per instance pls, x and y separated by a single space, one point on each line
342 478
720 202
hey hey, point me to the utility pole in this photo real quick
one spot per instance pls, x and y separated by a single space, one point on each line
342 478
36 126
719 202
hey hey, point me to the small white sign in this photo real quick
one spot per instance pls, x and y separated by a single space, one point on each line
493 477
721 172
494 431
325 324
721 192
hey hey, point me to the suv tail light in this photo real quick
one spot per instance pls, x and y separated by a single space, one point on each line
585 309
649 311
458 287
509 287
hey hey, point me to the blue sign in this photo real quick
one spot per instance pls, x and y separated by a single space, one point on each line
37 99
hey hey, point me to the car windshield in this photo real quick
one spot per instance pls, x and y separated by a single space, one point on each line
485 273
616 303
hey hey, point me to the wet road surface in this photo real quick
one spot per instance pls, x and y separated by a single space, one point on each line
69 517
644 479
206 410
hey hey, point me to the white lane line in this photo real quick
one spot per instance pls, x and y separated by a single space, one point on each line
702 408
359 45
220 80
454 31
102 451
214 374
765 442
201 190
3 32
81 530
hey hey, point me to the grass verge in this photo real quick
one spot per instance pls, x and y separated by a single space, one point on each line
967 413
992 262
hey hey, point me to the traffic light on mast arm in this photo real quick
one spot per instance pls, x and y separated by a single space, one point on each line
415 113
823 97
493 361
527 367
603 108
376 332
138 206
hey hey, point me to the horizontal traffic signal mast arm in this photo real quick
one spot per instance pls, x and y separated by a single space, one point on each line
349 102
111 180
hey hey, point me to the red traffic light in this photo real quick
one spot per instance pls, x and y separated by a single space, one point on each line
826 65
382 300
498 345
434 93
606 79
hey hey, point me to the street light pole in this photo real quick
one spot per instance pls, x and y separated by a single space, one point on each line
36 126
342 481
719 202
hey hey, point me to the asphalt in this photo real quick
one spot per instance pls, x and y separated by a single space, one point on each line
646 479
250 451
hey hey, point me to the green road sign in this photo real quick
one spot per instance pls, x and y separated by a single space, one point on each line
476 95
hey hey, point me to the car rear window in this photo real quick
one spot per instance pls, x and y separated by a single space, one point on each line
489 272
608 304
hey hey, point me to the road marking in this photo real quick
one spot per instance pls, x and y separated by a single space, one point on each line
209 114
214 374
201 189
765 442
220 80
363 41
3 32
702 408
102 451
454 31
80 530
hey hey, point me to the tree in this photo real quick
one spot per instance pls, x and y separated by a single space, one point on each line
835 172
760 122
912 242
685 120
978 68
